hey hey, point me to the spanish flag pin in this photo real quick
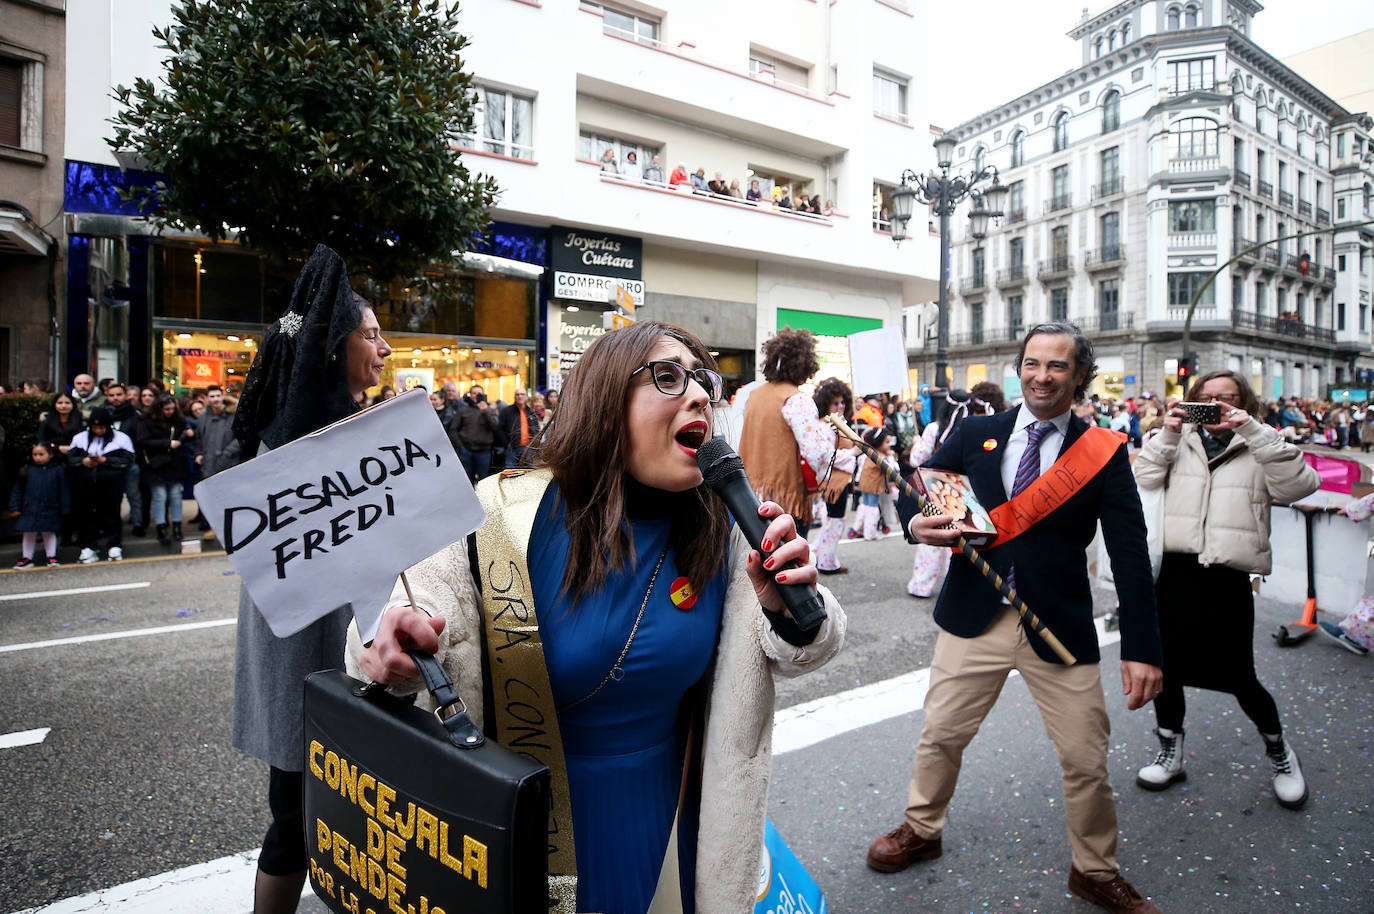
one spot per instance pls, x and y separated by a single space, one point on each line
683 594
990 444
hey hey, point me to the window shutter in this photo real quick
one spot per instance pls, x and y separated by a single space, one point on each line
11 90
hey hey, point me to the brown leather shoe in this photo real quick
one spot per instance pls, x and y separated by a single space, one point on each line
898 849
1115 894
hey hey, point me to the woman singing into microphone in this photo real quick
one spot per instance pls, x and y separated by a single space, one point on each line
651 633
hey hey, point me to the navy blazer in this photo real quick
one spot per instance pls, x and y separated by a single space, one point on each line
1051 557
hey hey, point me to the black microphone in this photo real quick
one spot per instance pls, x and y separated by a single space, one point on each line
724 473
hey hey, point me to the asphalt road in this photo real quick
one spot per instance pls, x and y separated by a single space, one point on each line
137 776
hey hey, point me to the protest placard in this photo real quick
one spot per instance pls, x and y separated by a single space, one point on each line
332 518
877 361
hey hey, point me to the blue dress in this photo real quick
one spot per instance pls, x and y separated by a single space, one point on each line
624 746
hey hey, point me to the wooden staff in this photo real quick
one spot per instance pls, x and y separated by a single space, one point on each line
928 509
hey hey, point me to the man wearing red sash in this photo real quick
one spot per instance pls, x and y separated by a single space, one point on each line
1047 478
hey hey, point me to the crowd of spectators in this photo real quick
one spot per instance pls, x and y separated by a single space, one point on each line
116 443
777 196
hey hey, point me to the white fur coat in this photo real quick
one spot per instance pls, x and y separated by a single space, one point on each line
738 747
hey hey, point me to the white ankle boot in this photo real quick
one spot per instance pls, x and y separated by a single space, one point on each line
1167 767
1290 787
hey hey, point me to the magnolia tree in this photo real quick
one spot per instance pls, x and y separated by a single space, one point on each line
295 122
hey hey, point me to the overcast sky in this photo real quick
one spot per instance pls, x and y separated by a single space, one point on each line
1011 46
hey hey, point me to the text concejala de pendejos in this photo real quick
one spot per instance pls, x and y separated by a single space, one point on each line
362 487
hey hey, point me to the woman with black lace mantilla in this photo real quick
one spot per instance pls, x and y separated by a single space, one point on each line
312 366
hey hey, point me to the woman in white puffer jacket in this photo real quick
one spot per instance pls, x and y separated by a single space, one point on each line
1219 482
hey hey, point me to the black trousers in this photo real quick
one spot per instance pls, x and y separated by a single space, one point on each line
283 849
1207 626
97 504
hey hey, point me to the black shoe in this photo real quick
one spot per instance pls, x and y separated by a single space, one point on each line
162 534
176 530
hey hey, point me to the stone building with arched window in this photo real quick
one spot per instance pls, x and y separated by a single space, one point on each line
1178 151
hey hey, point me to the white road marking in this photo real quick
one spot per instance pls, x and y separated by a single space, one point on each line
24 738
111 636
64 593
813 722
225 886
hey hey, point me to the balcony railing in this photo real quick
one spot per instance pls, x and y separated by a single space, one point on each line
1104 257
1062 201
1269 258
1106 322
1108 187
1239 244
1292 264
1012 275
1195 163
1192 239
684 191
986 335
975 283
1323 216
1305 208
1059 265
1285 199
1264 189
1241 178
1016 215
1281 326
1328 277
1185 87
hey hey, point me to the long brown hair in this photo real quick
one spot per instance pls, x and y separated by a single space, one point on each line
586 446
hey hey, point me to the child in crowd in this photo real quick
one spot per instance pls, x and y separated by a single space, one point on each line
40 499
872 483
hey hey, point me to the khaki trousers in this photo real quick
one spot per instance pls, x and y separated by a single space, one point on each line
966 677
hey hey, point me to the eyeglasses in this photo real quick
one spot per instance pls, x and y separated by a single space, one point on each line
1224 398
671 379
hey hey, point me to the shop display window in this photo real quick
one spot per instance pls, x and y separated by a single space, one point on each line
196 359
429 361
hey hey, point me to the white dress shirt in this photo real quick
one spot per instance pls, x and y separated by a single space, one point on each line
1050 444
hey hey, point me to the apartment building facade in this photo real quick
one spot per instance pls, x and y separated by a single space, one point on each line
1175 150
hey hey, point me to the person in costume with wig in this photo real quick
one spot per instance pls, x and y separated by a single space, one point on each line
651 649
313 365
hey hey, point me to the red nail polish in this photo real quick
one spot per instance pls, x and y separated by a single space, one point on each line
781 578
769 564
766 545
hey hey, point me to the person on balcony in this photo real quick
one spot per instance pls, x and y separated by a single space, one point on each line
699 183
608 165
717 185
653 172
735 190
754 195
629 169
679 175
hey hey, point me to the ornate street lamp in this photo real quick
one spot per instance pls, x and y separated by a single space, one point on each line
943 192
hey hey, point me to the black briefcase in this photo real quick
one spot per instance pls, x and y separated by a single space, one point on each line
412 811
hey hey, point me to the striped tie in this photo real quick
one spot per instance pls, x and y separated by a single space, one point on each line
1027 471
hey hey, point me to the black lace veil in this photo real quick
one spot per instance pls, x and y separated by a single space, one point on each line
299 381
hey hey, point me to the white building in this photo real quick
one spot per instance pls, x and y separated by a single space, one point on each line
1174 145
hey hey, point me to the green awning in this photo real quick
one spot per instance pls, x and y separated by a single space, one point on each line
825 324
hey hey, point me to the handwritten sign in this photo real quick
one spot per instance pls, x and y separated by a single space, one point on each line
332 518
877 360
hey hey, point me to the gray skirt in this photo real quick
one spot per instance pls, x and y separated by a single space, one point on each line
269 681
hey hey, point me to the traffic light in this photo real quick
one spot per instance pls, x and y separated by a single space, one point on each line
1187 367
1304 262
